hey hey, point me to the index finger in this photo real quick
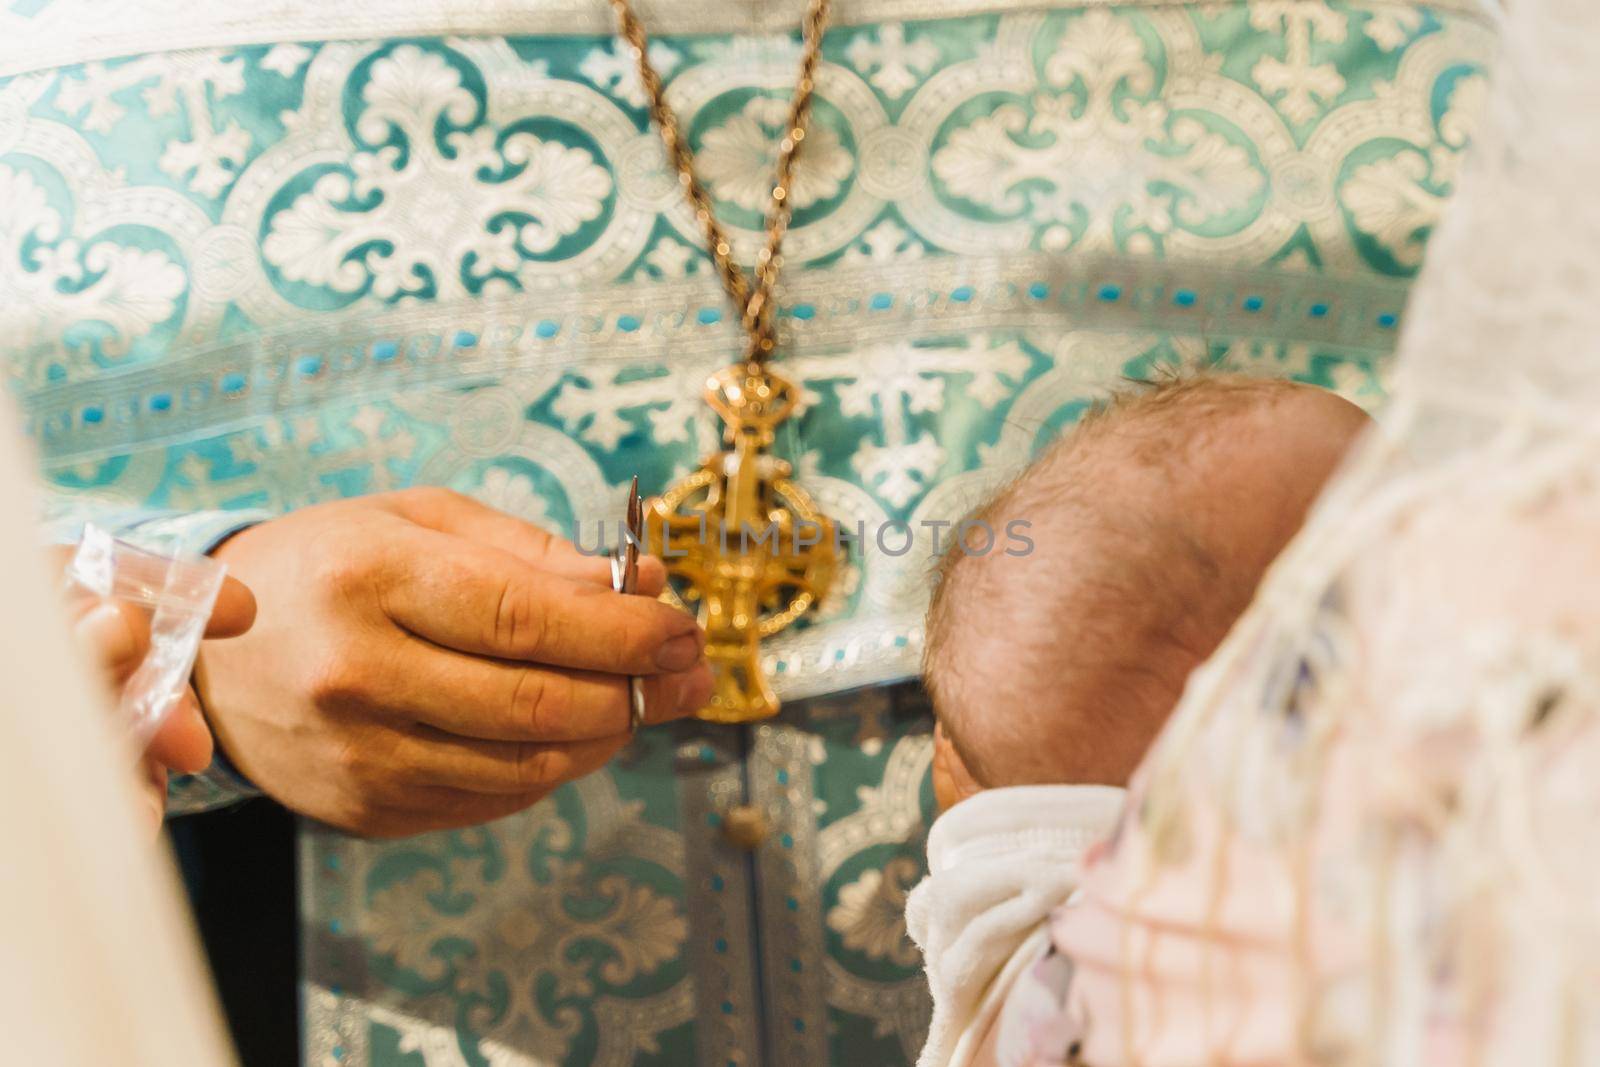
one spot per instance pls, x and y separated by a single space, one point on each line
453 513
483 601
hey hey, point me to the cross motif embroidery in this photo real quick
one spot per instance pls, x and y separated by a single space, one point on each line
745 545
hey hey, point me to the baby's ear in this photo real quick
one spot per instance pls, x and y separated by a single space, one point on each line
952 782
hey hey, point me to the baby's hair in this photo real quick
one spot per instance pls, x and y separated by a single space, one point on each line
1129 586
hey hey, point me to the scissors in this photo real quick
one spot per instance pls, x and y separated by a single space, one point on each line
625 579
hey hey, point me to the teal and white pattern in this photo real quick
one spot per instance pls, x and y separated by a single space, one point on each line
258 256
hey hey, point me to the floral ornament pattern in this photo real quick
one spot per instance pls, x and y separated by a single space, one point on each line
551 935
371 174
437 217
736 158
870 916
1095 157
99 296
1396 199
452 255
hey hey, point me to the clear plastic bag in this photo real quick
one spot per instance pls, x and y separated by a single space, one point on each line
178 594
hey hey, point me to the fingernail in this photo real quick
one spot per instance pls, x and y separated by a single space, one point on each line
679 654
696 691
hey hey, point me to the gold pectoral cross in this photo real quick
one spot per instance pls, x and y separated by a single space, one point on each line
746 546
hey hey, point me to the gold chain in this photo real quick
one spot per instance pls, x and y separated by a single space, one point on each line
755 304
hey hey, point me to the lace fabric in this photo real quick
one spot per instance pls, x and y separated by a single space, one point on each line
1368 834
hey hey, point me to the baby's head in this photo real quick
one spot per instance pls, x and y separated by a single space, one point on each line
1153 520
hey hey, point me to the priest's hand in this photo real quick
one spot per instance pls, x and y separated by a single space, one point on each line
421 661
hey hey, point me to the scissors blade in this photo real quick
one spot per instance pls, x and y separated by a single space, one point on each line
625 579
630 552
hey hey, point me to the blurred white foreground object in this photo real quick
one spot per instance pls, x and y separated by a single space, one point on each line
1370 834
98 961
